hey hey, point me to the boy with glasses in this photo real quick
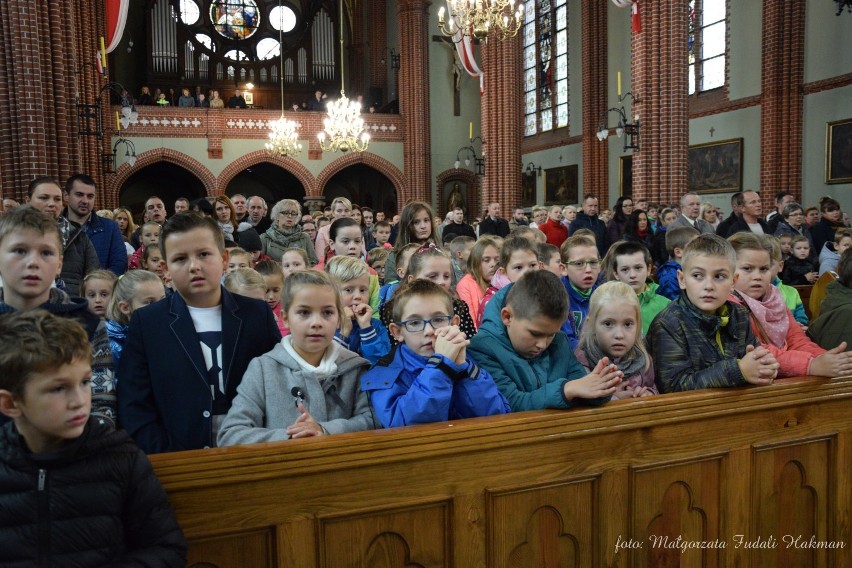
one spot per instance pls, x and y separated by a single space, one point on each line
582 267
429 376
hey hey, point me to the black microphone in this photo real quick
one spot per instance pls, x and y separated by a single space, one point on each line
298 395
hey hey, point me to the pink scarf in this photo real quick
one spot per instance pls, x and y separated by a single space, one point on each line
770 313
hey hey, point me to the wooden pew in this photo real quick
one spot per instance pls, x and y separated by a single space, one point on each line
805 295
759 466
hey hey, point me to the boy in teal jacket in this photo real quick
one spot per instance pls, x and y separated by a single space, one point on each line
520 344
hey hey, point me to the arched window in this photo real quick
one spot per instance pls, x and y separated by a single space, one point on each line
545 65
707 44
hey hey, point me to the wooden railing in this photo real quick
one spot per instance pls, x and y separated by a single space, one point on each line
760 476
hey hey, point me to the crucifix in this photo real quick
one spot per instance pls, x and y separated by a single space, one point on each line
712 131
456 71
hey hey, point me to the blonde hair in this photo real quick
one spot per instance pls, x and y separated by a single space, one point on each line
474 261
609 294
124 291
297 280
131 226
244 278
346 268
577 240
98 274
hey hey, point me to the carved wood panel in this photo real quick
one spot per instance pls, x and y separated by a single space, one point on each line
409 537
242 550
547 526
675 504
791 483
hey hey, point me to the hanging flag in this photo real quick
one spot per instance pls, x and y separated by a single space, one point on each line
99 62
635 20
464 48
116 19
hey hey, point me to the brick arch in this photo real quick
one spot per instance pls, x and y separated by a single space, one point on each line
164 155
262 156
468 177
350 159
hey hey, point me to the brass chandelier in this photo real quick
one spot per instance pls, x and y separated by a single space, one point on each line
481 19
343 129
284 135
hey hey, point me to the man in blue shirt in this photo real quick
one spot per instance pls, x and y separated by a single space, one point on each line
104 233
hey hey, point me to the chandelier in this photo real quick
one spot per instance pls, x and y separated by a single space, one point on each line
480 19
283 137
343 129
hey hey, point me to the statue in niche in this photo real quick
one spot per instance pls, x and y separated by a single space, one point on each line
455 198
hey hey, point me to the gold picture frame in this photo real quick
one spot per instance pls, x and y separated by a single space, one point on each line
715 167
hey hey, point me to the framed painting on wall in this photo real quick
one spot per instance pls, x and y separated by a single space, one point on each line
838 151
249 97
560 185
625 176
716 167
528 189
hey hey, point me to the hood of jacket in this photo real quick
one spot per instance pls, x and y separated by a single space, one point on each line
836 295
828 253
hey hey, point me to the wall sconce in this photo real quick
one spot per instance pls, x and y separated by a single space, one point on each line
470 155
394 59
624 126
531 168
90 120
108 161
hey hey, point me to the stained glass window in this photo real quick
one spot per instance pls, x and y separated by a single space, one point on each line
235 19
545 59
706 44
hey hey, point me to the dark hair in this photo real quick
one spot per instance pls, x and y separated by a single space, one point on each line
269 268
417 287
185 222
844 268
203 205
340 224
618 209
146 254
679 237
546 251
624 248
85 179
538 293
632 226
39 181
382 223
779 196
512 245
406 219
35 341
827 204
737 199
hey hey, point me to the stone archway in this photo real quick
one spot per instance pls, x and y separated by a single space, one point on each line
388 169
288 164
126 171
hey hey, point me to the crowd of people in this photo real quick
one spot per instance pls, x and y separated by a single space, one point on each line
224 323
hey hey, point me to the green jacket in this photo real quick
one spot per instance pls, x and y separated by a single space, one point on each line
528 384
651 304
276 243
832 326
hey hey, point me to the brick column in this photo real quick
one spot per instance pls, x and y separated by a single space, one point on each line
595 152
414 99
39 51
782 100
659 73
378 41
502 122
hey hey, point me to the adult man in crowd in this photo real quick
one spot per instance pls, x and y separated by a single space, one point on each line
317 102
690 215
782 198
553 228
155 210
457 228
240 210
724 228
9 204
751 219
104 233
588 219
539 215
78 254
519 219
493 224
181 205
237 101
257 214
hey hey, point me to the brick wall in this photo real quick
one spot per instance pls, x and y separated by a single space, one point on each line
659 73
782 100
595 71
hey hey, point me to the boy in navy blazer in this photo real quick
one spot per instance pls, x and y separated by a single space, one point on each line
186 355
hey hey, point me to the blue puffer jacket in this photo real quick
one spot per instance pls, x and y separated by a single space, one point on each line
667 279
371 343
528 384
108 242
405 389
578 309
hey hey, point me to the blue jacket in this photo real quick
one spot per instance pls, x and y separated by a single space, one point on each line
164 398
405 389
529 384
667 279
595 225
371 343
108 241
578 309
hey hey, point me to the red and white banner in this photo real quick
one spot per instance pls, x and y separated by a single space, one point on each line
116 19
464 47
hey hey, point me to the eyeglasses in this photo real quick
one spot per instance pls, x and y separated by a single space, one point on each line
418 325
290 213
584 263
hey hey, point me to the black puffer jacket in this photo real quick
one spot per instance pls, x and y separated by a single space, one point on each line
96 502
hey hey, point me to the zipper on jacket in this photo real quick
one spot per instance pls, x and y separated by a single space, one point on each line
43 519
